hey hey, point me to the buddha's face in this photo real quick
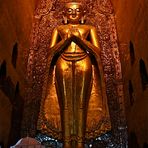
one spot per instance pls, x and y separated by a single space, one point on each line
74 12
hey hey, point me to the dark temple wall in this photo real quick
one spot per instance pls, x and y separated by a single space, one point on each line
132 27
15 26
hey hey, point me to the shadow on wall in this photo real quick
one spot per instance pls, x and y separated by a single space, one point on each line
145 145
14 55
1 145
133 142
12 91
143 74
132 53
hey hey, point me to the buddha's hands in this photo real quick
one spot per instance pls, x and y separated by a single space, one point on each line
73 32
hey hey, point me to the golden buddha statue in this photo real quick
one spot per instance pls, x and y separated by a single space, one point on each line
75 102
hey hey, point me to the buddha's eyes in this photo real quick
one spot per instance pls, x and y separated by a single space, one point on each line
70 10
78 10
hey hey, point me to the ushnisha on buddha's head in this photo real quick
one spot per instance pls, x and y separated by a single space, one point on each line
73 13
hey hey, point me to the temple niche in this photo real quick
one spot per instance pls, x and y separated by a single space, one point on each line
74 80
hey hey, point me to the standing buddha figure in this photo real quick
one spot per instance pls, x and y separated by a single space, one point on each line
78 74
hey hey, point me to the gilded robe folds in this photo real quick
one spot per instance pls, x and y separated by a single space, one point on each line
97 114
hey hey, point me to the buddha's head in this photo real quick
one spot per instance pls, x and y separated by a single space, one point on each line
74 12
